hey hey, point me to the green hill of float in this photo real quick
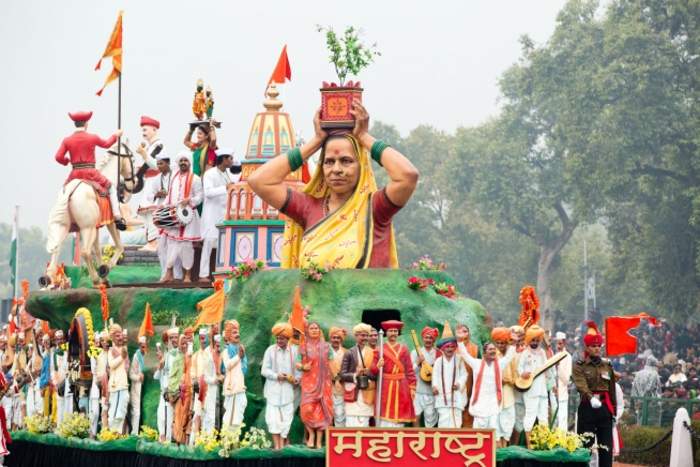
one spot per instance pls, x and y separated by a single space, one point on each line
342 298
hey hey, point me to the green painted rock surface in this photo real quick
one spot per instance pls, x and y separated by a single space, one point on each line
342 298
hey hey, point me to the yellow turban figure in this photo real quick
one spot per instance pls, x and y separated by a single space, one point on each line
533 332
362 327
284 329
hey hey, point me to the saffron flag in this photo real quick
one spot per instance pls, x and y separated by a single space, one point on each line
282 71
114 50
147 323
104 304
296 317
618 340
211 309
13 252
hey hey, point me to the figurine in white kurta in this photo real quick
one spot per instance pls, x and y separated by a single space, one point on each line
216 183
448 380
281 377
487 388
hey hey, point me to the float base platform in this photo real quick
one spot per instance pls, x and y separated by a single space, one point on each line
52 451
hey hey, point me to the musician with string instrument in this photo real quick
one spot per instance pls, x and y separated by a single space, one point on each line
532 359
423 359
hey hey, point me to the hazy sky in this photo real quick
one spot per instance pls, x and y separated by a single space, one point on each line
440 65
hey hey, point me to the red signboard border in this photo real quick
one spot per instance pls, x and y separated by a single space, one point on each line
393 429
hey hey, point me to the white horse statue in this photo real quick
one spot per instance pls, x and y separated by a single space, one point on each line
77 204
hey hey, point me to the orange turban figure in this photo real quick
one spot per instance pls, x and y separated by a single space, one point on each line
336 331
500 334
284 329
533 332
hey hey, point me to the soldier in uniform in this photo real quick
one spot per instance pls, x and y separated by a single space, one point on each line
595 382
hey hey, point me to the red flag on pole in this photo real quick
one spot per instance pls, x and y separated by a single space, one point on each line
282 71
114 50
618 340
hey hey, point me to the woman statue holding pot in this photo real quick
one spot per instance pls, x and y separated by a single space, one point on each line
340 219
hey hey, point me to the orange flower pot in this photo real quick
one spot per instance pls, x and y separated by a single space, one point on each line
336 102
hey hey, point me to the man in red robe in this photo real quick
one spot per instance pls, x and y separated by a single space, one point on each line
80 147
398 379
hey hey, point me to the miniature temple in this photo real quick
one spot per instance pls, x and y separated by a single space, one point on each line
253 230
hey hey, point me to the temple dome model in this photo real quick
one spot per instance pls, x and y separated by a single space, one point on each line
253 230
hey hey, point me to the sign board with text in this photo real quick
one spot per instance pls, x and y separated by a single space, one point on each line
410 447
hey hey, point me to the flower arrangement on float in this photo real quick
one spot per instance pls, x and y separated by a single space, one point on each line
426 263
148 433
348 56
228 440
246 269
445 289
543 438
75 425
314 272
93 349
109 435
419 283
38 424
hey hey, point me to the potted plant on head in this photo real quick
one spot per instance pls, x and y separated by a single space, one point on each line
348 55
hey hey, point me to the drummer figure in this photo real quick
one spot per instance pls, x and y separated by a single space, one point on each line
184 194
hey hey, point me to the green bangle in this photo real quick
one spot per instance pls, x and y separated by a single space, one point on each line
378 148
294 158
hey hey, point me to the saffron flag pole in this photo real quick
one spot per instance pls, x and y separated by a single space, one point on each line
114 50
14 252
282 71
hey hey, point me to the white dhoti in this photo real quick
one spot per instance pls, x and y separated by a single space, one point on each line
338 410
279 418
165 419
519 411
234 409
563 414
388 424
356 421
486 422
208 245
535 408
135 402
31 400
118 403
60 408
94 415
449 417
425 404
163 259
506 422
18 409
182 251
210 405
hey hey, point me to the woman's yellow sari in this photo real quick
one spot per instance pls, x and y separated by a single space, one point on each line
342 239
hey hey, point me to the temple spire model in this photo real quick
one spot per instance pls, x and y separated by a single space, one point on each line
251 229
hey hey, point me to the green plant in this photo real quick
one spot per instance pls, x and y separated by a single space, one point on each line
229 440
347 53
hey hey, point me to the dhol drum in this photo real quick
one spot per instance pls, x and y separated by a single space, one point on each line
166 218
185 214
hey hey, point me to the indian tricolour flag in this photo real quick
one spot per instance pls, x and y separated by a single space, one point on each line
13 252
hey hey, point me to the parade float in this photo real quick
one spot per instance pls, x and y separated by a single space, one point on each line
257 293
